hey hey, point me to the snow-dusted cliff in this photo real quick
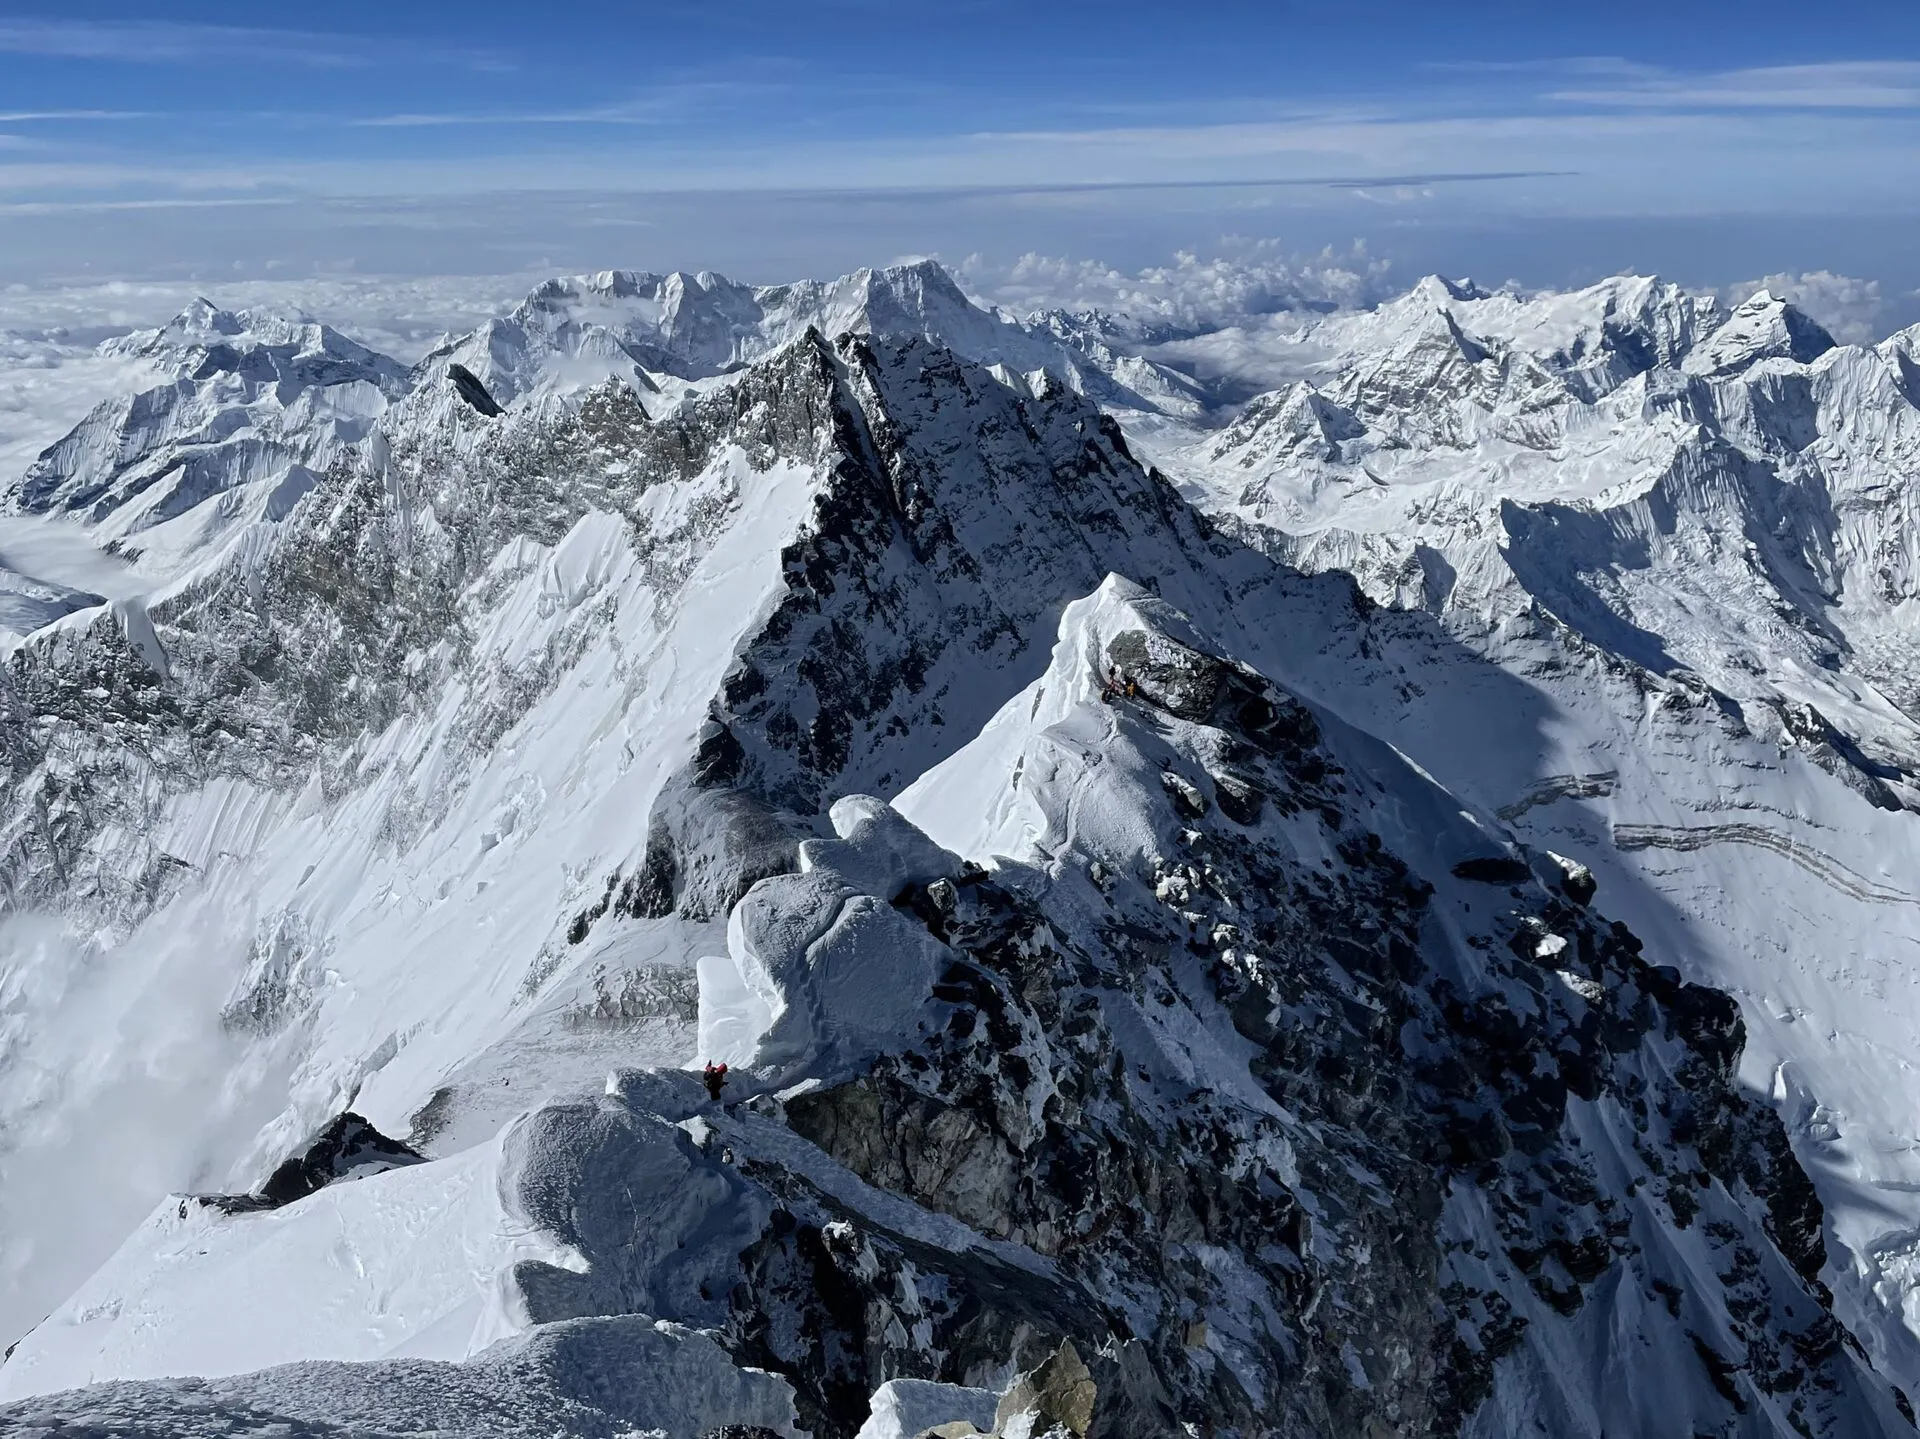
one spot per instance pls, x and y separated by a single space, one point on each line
1126 928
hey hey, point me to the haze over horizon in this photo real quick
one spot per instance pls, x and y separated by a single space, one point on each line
1518 142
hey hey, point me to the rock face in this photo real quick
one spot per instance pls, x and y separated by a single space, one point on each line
1058 1396
348 1148
1119 1029
1636 504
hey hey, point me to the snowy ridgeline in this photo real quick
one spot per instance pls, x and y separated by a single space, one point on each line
1151 915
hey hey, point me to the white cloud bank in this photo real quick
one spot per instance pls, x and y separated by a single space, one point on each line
1250 277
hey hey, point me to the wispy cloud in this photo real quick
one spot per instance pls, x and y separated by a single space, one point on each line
1614 80
126 180
894 193
661 105
1544 65
148 42
169 202
1854 310
22 117
1520 154
1250 279
602 115
1834 162
1841 85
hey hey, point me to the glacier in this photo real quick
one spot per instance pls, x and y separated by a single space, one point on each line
1350 869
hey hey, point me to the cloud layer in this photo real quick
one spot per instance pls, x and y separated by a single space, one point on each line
1246 278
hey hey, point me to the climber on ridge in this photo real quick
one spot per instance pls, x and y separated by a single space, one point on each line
716 1078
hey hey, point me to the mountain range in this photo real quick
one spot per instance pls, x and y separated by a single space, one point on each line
1351 873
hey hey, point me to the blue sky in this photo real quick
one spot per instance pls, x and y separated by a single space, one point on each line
502 135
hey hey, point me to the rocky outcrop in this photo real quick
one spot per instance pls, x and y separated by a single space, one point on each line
348 1148
1037 1114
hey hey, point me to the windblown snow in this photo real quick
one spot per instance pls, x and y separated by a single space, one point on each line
1350 871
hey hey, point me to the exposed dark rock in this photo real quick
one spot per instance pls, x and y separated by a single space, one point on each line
1179 680
1239 799
1723 1373
348 1148
1187 796
1493 869
467 385
1059 1395
1576 880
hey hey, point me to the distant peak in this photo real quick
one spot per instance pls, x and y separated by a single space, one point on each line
928 274
620 283
203 314
1761 327
926 267
1439 289
602 284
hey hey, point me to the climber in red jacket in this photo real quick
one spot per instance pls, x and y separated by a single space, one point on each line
716 1077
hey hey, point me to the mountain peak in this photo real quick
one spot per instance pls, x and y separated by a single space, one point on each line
204 314
571 333
1438 289
204 326
1762 327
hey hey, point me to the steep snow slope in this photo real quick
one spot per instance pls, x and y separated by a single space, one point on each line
1691 542
48 381
519 748
580 682
435 663
1020 1156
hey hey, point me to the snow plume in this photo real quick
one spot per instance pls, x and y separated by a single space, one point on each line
117 1086
1248 278
1853 311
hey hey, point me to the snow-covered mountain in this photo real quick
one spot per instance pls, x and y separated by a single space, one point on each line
251 406
1690 535
1152 923
662 331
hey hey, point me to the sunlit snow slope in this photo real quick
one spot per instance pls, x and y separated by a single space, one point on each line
1690 535
478 747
